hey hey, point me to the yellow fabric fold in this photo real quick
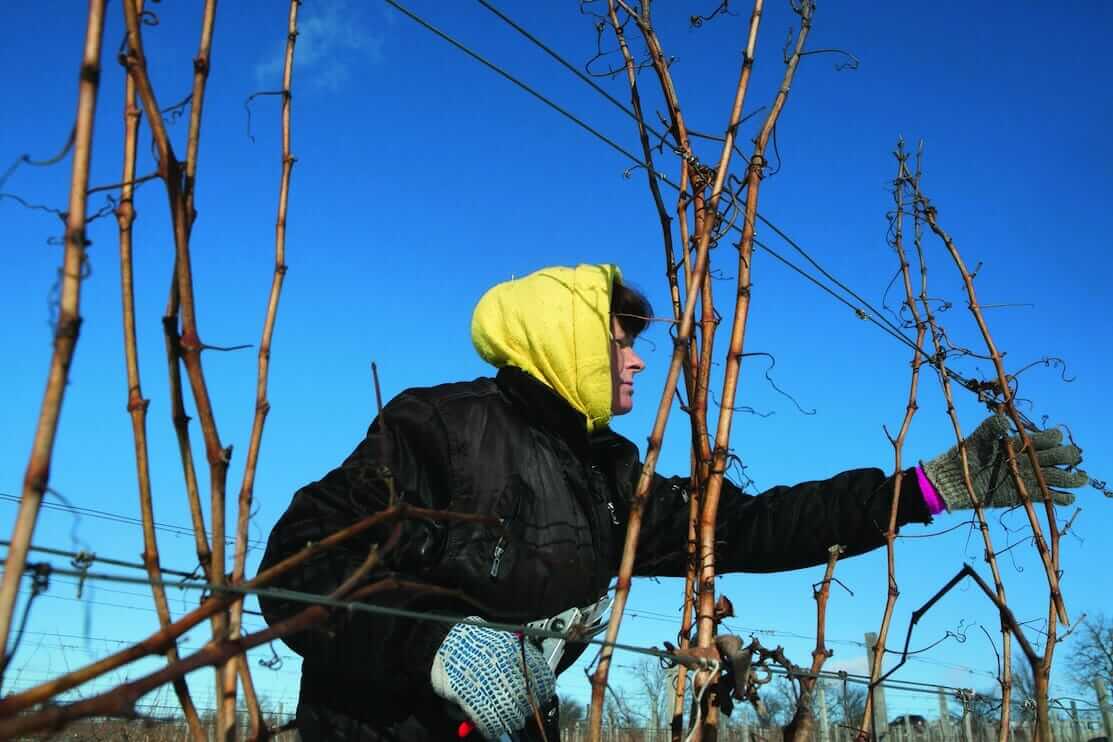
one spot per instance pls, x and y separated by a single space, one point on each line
555 325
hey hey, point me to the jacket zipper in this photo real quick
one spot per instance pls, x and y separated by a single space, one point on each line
496 557
500 545
594 476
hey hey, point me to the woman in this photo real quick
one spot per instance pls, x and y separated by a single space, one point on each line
532 447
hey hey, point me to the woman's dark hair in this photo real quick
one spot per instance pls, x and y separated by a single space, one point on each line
630 308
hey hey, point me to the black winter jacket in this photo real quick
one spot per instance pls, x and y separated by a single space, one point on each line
513 448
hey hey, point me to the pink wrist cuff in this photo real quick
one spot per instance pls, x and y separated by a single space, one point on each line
932 499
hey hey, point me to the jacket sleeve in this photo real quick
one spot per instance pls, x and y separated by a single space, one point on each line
782 528
412 446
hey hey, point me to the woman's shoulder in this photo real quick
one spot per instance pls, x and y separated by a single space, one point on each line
449 394
460 408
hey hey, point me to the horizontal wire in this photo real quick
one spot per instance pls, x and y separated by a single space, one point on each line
878 317
638 613
370 608
118 518
106 604
908 686
498 70
110 640
736 628
92 558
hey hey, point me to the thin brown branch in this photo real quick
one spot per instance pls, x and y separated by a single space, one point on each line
699 362
262 404
216 454
680 351
709 514
157 642
647 153
1049 557
180 421
697 372
897 442
169 170
37 474
120 701
201 65
257 730
939 363
701 471
690 370
803 721
1057 611
701 458
136 404
179 190
676 719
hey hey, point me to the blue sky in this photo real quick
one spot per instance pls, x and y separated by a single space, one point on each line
422 179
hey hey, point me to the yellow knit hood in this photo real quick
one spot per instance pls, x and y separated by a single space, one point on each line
555 325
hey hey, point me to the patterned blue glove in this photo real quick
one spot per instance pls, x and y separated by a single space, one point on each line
480 670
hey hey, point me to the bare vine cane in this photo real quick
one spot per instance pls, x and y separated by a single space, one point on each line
680 350
647 153
652 176
226 674
180 185
136 404
180 421
262 404
691 369
702 448
708 517
1049 555
911 406
698 369
939 360
201 65
66 330
802 726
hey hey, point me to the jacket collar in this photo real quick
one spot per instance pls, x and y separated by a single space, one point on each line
545 409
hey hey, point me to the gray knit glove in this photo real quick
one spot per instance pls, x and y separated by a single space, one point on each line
989 469
480 670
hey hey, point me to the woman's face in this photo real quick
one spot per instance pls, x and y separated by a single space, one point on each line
625 362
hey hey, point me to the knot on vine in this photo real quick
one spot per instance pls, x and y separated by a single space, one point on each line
757 164
81 562
40 578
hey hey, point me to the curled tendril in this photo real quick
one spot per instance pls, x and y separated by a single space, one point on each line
26 159
850 62
172 113
1049 362
697 21
734 464
629 172
585 9
274 662
600 28
743 408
